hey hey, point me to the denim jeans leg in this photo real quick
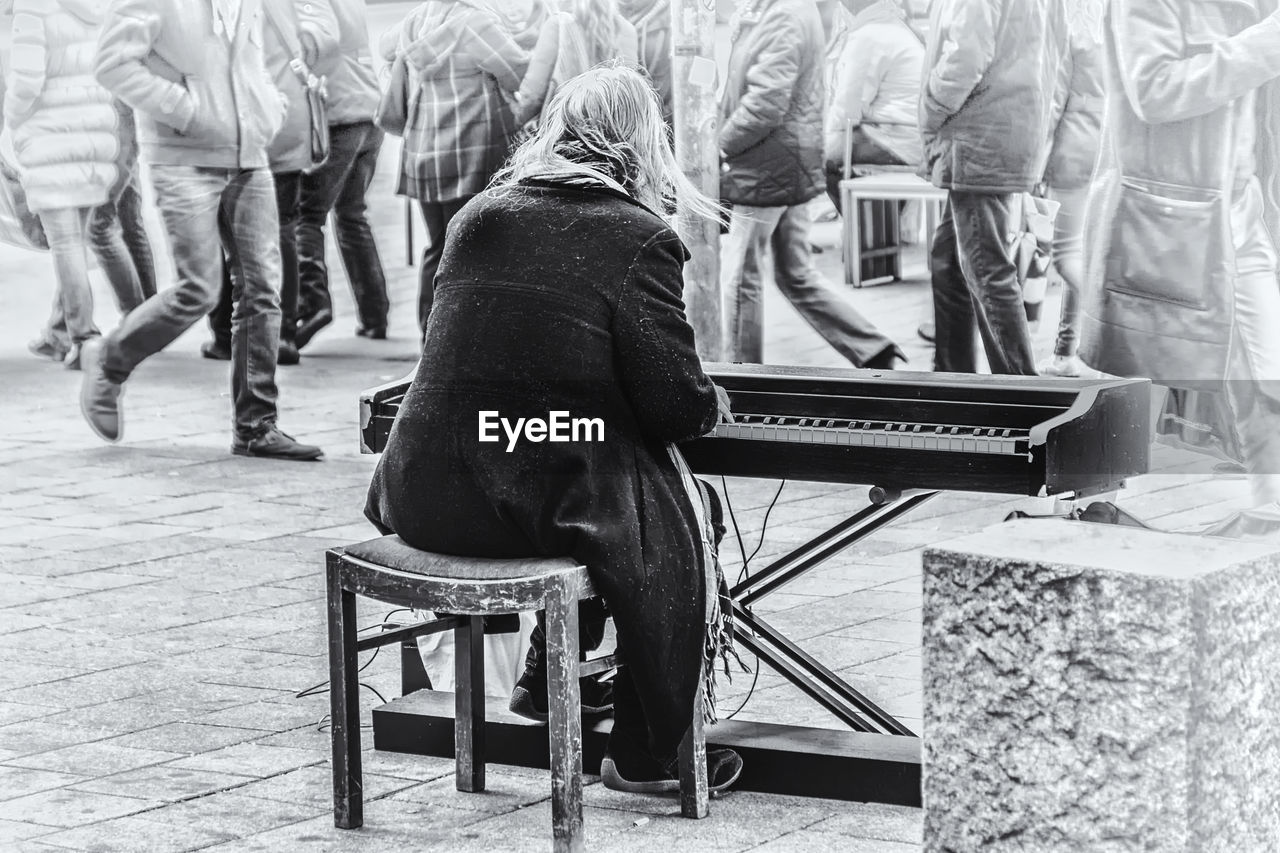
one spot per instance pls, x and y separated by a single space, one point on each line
134 231
826 309
106 237
320 191
356 241
955 345
220 316
67 229
983 222
746 248
188 198
250 232
288 201
1068 258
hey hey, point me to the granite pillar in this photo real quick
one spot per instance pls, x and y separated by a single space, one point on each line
1099 688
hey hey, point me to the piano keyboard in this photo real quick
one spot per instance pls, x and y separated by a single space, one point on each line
854 433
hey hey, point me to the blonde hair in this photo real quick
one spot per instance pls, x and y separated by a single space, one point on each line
606 125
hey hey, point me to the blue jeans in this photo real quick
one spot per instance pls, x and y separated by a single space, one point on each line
340 186
753 232
975 283
239 206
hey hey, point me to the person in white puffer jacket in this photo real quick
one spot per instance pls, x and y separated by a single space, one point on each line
65 132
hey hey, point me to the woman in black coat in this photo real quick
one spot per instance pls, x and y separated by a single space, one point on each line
560 291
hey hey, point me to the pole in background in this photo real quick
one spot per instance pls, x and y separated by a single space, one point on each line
693 27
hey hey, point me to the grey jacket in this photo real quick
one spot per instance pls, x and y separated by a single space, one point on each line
353 86
771 134
201 98
987 106
286 23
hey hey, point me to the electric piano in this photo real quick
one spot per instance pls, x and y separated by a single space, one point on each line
907 436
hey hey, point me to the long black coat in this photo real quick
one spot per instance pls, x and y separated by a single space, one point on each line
556 298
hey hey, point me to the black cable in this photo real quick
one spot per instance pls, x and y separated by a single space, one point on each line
745 572
323 686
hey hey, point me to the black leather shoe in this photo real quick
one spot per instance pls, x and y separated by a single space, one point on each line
274 444
886 359
287 354
373 333
309 325
216 350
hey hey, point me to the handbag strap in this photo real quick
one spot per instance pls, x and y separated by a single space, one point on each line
291 43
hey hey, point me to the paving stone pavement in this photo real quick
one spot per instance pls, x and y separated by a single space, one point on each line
161 605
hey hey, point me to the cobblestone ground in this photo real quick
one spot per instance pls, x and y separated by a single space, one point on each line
161 607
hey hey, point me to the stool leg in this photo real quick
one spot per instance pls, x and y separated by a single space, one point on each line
468 717
693 766
853 226
344 701
564 703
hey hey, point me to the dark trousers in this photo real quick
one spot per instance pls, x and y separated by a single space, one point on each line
975 284
288 190
437 216
339 186
119 240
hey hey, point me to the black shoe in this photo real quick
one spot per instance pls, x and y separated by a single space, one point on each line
216 350
274 444
309 325
529 698
287 354
886 359
724 766
373 333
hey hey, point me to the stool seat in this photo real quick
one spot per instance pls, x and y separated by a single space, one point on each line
393 553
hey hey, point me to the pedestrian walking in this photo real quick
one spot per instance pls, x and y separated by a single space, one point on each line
339 187
1072 159
1181 261
196 77
67 141
986 114
652 22
465 68
300 46
771 155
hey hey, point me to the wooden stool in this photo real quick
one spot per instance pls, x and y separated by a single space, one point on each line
886 186
390 571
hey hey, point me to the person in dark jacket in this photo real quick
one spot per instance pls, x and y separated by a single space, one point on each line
559 290
986 114
771 164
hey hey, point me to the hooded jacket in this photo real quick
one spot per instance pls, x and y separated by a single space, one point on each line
285 23
771 133
987 107
201 97
463 65
64 125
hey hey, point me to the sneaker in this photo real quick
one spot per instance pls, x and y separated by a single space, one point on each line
44 349
529 698
216 350
926 331
72 361
1062 365
288 354
99 396
274 444
724 766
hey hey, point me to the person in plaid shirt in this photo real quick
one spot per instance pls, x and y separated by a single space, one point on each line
460 126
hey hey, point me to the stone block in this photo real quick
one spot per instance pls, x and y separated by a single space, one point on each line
1091 687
